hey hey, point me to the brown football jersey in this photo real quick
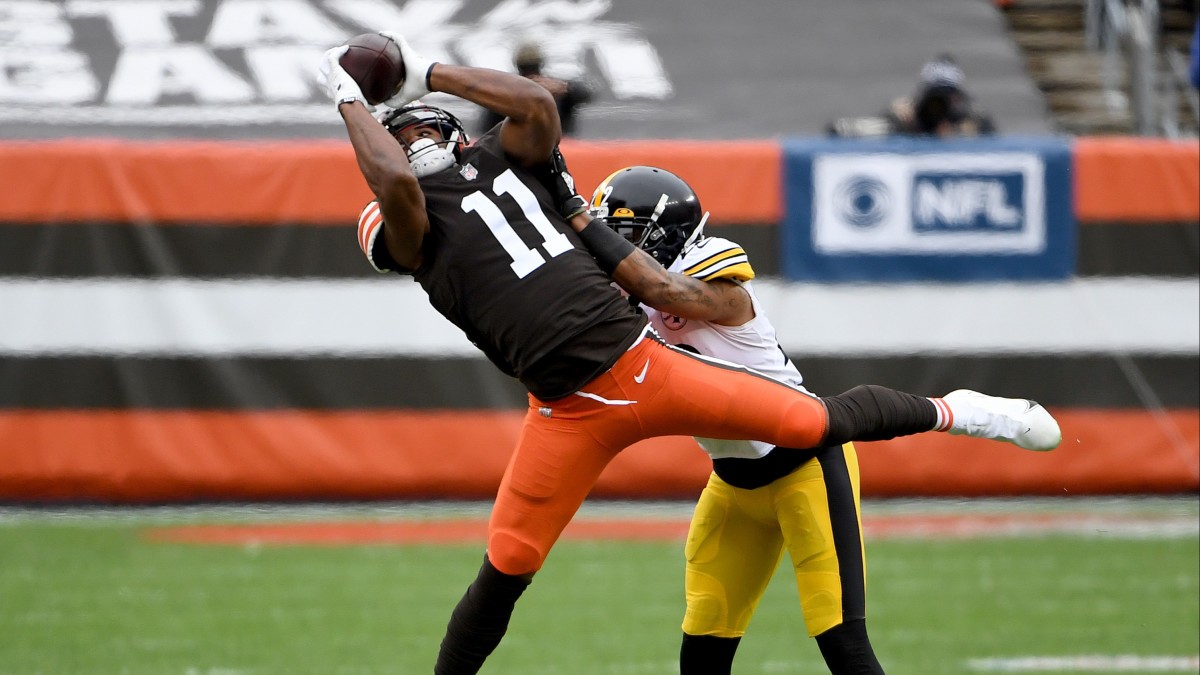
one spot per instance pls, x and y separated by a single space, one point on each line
501 264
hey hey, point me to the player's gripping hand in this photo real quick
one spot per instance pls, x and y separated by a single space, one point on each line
561 184
416 72
342 88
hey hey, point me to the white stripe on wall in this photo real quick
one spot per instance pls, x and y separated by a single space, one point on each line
1100 315
392 317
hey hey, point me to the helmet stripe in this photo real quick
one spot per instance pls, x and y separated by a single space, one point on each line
600 193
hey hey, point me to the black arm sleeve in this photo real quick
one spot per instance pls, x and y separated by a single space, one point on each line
605 245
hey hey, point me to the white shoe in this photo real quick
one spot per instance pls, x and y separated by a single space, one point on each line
1019 421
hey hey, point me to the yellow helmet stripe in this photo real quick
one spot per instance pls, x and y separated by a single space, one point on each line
600 193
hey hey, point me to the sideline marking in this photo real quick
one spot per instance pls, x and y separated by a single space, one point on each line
1090 662
474 530
467 530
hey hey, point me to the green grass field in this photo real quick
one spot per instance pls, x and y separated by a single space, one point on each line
84 593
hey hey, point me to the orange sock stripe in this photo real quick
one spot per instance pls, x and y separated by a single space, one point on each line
945 416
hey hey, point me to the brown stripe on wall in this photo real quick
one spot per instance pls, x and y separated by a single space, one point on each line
255 383
110 249
158 457
306 251
409 382
1139 249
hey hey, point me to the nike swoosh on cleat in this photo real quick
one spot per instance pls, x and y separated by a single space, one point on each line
642 375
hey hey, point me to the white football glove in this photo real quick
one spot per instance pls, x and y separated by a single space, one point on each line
342 88
416 72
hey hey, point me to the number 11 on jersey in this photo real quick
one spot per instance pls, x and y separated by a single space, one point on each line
524 259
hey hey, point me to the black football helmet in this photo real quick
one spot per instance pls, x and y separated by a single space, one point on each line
428 157
653 208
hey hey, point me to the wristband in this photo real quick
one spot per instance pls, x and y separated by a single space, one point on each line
605 245
429 74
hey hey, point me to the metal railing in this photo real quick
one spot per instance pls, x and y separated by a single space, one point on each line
1127 34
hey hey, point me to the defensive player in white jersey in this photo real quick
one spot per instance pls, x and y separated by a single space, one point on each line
759 500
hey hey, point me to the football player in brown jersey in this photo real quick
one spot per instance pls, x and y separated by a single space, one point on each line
483 235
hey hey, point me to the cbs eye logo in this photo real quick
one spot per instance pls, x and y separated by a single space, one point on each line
862 201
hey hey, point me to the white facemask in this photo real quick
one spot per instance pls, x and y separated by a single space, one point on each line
427 158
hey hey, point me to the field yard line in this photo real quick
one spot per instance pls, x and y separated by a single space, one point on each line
1126 663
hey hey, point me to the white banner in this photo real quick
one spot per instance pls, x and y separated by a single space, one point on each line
945 203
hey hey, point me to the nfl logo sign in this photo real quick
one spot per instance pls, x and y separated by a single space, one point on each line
468 172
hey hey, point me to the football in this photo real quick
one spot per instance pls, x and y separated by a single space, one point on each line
375 63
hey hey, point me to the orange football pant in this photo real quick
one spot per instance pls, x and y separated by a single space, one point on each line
652 390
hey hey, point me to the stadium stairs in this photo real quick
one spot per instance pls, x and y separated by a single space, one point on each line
1051 34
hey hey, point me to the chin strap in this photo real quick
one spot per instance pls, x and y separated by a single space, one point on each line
698 233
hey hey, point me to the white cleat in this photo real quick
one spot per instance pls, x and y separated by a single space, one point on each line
1019 421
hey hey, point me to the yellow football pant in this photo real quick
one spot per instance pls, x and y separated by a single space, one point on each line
737 538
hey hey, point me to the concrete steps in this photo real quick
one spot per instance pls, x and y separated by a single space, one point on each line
1051 34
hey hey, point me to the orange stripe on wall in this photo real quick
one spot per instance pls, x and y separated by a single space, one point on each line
142 456
1136 179
181 181
317 182
737 181
1103 452
184 455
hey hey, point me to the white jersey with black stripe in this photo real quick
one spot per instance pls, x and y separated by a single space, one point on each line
752 344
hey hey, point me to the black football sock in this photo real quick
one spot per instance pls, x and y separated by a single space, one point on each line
870 412
847 650
706 654
479 620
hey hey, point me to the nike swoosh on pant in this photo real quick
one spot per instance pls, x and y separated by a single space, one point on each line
642 375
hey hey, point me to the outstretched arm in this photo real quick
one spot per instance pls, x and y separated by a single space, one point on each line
720 301
532 128
528 136
383 164
385 167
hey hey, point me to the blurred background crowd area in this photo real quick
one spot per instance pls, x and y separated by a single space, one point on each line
994 194
673 69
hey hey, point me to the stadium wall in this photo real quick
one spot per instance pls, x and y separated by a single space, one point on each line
186 321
